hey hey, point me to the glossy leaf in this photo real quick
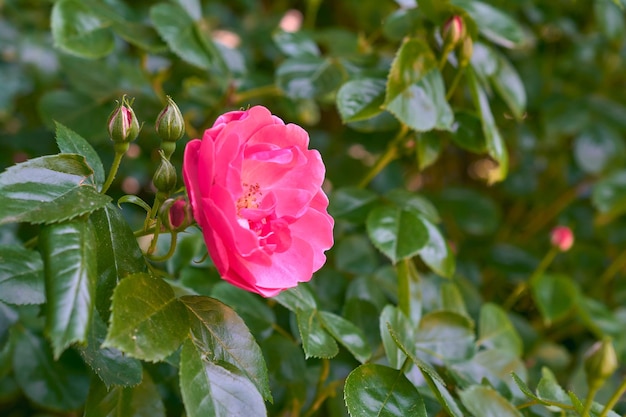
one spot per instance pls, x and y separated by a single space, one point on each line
308 77
58 384
467 132
376 390
493 365
70 272
21 276
493 139
410 201
316 341
143 400
78 30
484 401
119 254
48 189
428 147
549 388
297 298
398 234
392 318
361 99
351 203
211 390
147 321
222 336
445 335
437 253
556 296
111 365
183 37
497 331
295 44
509 86
347 334
71 142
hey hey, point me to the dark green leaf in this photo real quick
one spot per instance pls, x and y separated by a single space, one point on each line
71 142
556 296
182 35
398 234
211 390
376 390
509 86
48 189
70 271
452 299
58 384
222 336
446 335
599 148
147 321
316 342
428 148
437 253
297 298
111 365
410 201
392 318
21 276
361 99
484 401
308 77
346 333
351 203
143 400
495 25
493 139
497 331
295 44
609 196
473 212
78 30
355 254
119 254
467 132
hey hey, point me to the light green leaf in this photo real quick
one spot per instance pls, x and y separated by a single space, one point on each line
316 342
143 400
361 99
297 298
78 30
446 335
398 234
21 276
549 389
70 271
428 147
308 77
376 390
556 296
71 142
48 189
392 318
222 336
346 333
210 390
497 331
437 253
509 86
147 321
484 401
295 44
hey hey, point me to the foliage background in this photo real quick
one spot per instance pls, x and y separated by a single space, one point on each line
553 73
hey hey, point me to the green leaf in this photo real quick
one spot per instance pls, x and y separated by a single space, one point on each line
346 333
392 318
398 234
609 196
376 390
452 299
58 384
474 213
437 253
509 86
21 276
211 390
526 390
467 132
222 336
295 44
70 270
352 203
599 148
556 296
610 18
361 99
316 342
119 254
76 29
495 144
355 254
494 24
297 298
71 142
308 77
484 401
415 89
428 148
497 331
411 201
549 389
48 189
446 335
143 400
147 321
111 365
183 37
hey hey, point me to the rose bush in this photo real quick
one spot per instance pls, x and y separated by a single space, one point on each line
255 189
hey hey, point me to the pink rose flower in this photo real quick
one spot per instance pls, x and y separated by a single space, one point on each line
255 189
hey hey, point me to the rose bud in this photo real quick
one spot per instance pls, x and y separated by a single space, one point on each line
165 176
600 362
562 237
453 31
123 125
170 126
175 214
466 51
256 192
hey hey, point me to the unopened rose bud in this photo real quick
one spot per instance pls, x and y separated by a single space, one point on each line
123 125
165 176
170 125
600 362
562 237
466 51
453 31
175 214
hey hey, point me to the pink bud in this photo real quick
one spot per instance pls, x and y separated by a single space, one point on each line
123 125
562 237
453 30
178 213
